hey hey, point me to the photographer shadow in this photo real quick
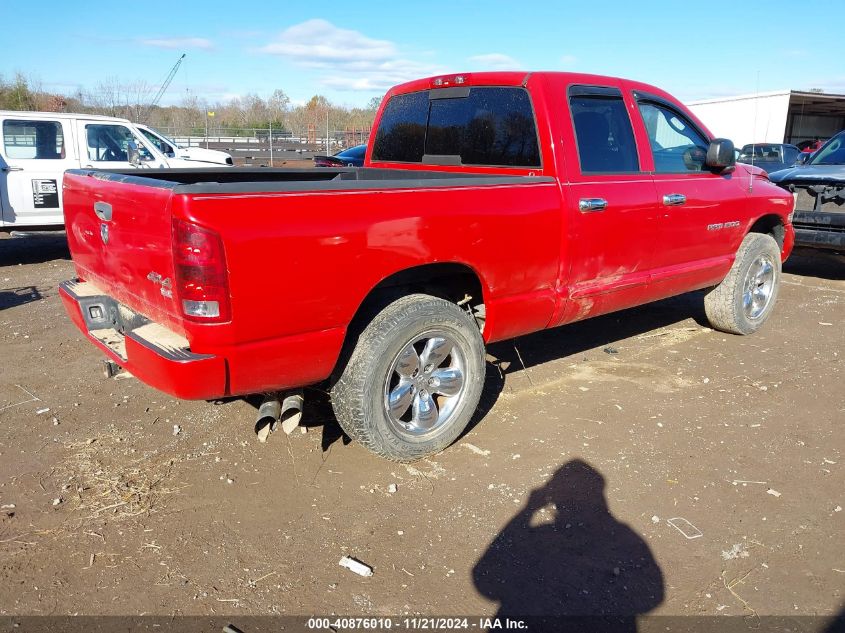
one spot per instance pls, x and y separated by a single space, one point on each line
564 554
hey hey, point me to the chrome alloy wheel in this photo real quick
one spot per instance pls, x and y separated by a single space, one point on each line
759 286
425 384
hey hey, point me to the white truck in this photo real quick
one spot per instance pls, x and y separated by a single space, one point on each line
37 147
172 149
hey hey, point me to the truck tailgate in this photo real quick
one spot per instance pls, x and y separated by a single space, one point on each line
120 236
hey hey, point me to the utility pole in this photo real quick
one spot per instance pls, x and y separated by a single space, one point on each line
208 115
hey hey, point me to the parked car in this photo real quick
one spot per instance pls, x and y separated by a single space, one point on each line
37 147
819 189
350 157
493 205
769 156
808 147
172 149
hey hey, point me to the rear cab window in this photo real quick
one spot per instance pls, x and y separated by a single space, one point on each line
478 126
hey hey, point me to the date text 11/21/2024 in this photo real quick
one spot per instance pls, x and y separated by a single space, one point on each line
417 624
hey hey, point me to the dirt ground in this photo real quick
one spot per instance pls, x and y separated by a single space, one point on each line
639 462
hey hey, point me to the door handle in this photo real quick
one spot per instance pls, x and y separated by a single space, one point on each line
592 205
103 211
674 199
9 168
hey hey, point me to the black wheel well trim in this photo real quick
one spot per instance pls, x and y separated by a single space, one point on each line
770 224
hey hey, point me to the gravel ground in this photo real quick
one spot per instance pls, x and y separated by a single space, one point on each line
635 463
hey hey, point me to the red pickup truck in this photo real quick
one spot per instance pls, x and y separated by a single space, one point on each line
490 205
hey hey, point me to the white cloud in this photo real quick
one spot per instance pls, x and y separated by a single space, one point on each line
496 61
349 59
319 42
178 42
567 60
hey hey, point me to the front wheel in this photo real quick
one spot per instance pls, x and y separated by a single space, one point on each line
747 296
413 380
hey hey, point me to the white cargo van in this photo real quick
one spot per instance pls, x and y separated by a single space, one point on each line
172 149
37 147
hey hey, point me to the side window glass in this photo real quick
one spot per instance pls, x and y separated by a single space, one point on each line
676 145
110 143
163 147
604 134
40 140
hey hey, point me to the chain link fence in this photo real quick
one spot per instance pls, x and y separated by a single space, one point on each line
251 146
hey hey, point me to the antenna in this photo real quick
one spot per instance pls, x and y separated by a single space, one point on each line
754 127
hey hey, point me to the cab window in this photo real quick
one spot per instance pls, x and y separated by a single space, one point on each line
485 125
39 140
676 145
110 143
603 131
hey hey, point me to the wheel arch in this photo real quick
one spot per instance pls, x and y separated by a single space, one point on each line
771 224
452 281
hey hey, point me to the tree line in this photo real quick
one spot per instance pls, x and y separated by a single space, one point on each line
236 116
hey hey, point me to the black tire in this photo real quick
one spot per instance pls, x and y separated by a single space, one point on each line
379 367
747 296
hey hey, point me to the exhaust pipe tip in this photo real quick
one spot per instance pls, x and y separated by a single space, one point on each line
273 410
268 415
291 414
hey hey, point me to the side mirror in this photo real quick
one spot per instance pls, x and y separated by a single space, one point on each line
803 157
133 154
721 155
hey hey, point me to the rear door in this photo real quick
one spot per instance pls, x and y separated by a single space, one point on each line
610 219
36 152
699 211
104 145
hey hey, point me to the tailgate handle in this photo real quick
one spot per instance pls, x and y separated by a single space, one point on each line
103 211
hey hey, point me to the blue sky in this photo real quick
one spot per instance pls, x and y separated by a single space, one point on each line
352 51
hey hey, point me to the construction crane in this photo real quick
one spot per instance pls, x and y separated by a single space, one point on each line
164 86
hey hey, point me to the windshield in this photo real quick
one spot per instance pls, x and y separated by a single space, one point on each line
832 152
761 152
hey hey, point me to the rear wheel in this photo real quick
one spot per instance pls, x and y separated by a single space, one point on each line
413 380
747 296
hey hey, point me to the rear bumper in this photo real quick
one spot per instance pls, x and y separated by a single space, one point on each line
163 359
154 355
820 230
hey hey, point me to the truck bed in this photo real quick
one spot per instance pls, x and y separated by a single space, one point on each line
280 179
301 248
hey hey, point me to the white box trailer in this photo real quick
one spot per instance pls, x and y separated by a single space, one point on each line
784 116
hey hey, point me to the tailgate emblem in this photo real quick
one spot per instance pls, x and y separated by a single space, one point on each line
104 233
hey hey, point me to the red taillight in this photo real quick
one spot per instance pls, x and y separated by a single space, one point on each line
202 284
